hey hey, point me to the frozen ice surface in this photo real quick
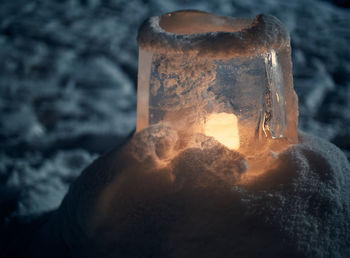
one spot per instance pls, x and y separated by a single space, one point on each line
194 65
130 203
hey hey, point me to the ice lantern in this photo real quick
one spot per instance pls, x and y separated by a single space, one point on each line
224 77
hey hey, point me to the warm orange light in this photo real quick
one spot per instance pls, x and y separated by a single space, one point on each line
224 128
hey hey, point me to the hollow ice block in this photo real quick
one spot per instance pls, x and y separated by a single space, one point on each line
195 66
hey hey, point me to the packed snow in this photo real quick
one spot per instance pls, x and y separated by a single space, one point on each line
136 202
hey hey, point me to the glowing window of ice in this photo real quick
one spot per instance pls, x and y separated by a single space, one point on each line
223 127
194 64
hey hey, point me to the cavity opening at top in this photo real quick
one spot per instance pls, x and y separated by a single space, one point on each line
196 22
210 36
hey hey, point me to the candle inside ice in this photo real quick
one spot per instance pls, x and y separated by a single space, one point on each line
195 66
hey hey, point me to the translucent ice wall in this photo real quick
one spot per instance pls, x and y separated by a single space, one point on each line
224 77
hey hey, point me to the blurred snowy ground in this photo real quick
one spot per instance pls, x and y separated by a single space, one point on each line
68 73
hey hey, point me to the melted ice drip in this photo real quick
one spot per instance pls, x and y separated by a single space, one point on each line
275 113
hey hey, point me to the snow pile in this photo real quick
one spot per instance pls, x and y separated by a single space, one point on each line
137 203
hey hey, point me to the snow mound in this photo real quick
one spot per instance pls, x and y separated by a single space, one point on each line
134 202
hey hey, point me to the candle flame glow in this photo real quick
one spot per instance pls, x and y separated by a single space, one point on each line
224 128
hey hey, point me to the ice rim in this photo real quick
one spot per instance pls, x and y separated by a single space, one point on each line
253 37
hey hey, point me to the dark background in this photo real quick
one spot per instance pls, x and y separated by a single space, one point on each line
68 72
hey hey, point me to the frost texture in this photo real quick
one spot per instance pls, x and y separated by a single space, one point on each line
124 205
